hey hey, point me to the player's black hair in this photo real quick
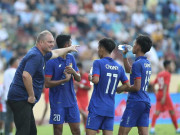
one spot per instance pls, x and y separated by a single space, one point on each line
12 60
166 63
62 39
79 65
145 43
108 44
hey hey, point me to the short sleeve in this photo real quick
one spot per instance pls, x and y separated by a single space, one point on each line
48 56
96 68
136 70
32 64
123 77
49 68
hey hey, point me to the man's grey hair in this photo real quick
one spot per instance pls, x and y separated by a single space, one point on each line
41 36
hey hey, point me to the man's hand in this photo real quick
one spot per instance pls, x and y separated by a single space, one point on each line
31 99
68 76
69 70
73 48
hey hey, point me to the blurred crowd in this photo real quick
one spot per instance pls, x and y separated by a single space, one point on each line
90 20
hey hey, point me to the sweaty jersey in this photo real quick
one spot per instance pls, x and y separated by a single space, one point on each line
33 63
163 78
141 69
62 95
110 73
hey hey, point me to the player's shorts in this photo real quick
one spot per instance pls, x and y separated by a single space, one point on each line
60 115
83 104
46 95
168 105
96 122
136 114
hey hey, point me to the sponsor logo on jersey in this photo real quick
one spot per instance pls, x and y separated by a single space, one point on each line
111 67
146 65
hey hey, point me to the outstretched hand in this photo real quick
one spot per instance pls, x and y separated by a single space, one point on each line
73 48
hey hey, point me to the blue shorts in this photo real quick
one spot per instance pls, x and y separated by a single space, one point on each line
96 122
136 114
60 115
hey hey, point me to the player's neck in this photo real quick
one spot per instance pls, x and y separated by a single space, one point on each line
106 55
139 54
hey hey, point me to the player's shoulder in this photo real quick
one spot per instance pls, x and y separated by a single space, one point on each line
70 55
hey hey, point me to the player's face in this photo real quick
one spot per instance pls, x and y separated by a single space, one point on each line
68 44
48 43
171 67
136 47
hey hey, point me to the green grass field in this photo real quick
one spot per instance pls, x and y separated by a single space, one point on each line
160 130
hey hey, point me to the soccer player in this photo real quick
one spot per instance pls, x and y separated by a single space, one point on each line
163 100
8 77
138 106
82 93
106 75
27 85
59 77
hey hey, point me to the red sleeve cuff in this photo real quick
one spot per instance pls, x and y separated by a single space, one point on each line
96 75
137 78
48 75
125 81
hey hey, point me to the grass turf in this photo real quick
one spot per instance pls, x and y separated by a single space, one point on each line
165 129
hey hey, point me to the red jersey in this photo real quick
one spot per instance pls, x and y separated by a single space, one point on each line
82 94
163 78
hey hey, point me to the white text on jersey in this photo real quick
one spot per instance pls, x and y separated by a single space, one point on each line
111 67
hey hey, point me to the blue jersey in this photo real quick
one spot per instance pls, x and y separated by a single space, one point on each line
110 73
141 69
34 63
64 94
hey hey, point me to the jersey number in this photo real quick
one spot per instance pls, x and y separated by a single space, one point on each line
109 81
56 117
161 82
148 74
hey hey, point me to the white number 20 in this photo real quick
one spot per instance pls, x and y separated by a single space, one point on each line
56 117
109 81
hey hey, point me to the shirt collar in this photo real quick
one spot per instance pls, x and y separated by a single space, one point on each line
108 58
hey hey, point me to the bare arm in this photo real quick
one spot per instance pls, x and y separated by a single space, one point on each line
127 65
95 79
76 75
27 79
164 94
133 88
50 83
123 87
60 52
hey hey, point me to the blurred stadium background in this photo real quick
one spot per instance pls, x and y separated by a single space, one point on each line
88 21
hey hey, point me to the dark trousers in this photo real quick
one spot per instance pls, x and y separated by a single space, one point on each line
9 119
23 117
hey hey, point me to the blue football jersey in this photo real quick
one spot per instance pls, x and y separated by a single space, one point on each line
103 96
33 63
141 69
64 94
